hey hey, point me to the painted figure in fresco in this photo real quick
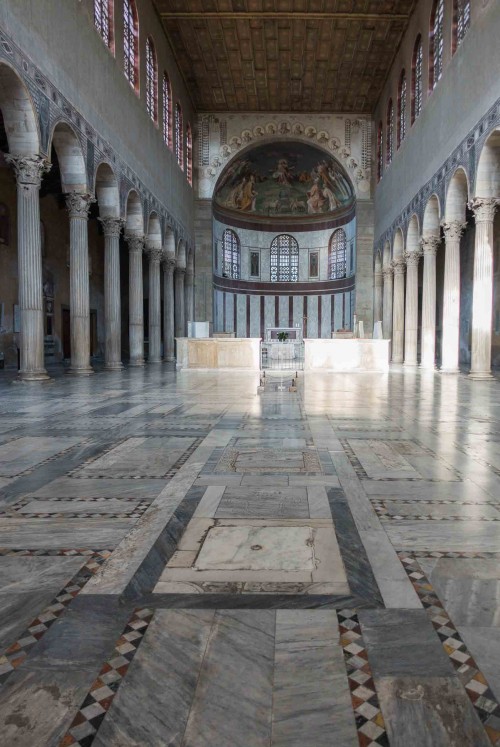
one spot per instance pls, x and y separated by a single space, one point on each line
316 200
333 203
283 173
248 195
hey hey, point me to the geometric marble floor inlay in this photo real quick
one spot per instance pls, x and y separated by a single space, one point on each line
185 561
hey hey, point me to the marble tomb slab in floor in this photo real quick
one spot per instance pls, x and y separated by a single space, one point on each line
446 536
289 556
438 511
147 456
269 461
259 503
96 534
69 487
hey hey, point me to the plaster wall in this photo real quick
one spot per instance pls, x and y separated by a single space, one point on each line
467 89
60 38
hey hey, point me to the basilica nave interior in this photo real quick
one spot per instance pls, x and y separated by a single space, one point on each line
249 354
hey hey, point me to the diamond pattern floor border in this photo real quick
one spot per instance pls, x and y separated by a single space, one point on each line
97 703
370 723
17 653
474 682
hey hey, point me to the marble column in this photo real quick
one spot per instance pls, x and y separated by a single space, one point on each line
112 301
378 296
168 309
189 294
387 302
29 172
155 254
482 289
78 208
429 246
398 310
411 311
451 296
180 325
136 300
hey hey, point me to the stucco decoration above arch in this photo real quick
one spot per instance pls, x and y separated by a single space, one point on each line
70 156
432 215
106 188
488 169
222 137
19 114
134 220
457 197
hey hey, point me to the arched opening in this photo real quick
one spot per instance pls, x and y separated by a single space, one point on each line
417 79
131 43
151 80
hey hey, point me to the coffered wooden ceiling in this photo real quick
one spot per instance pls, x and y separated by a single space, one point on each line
285 55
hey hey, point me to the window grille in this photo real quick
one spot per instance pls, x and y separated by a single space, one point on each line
103 20
189 154
167 111
337 255
151 80
418 61
437 43
390 132
402 108
284 259
179 136
380 151
130 43
230 254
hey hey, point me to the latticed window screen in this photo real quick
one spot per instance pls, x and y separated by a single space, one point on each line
167 111
402 108
189 154
437 42
179 136
418 61
103 20
390 132
463 19
151 80
337 255
130 42
380 151
284 259
231 254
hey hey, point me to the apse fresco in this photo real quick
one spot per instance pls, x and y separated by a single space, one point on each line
289 179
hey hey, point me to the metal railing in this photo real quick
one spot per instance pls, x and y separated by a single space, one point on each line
282 356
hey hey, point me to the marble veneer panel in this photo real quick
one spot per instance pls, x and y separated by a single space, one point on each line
27 586
68 487
24 453
62 533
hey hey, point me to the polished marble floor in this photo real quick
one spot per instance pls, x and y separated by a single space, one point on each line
188 562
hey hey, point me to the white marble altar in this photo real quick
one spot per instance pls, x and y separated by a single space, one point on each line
346 355
221 353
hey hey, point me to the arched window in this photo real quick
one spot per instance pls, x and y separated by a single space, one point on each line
179 136
416 85
436 46
103 20
380 151
189 154
337 255
131 43
230 254
151 80
390 132
461 21
167 111
284 259
402 108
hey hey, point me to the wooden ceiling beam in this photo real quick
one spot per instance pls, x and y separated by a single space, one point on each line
284 16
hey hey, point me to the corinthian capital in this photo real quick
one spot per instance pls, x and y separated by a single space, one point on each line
79 204
168 263
430 245
483 208
388 271
453 230
111 226
135 243
412 258
155 253
29 169
399 266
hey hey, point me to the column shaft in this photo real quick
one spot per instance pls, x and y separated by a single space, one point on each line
398 324
155 255
430 245
482 291
180 325
387 304
378 297
29 171
168 310
411 312
78 208
112 303
189 294
136 301
451 297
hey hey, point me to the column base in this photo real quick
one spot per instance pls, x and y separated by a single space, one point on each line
449 370
410 364
137 364
170 359
427 366
155 360
84 371
481 375
41 375
113 366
